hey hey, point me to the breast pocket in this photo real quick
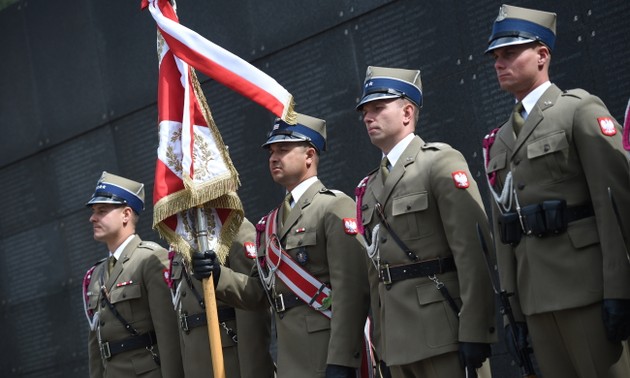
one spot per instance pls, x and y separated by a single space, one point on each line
550 153
122 297
408 212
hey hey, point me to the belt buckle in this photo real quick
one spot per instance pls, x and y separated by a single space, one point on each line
279 306
385 269
106 353
183 322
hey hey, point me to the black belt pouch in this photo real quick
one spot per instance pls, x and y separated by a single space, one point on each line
510 228
555 215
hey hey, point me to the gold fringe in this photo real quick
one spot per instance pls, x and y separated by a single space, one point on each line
290 115
193 195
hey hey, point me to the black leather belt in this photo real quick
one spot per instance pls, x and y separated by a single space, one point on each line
575 213
283 302
389 274
188 322
111 348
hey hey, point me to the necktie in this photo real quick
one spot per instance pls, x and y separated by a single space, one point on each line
111 261
286 207
384 169
517 118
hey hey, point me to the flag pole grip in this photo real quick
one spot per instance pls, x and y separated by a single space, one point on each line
212 315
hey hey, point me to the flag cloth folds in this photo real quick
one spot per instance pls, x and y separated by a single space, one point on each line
626 128
220 64
193 167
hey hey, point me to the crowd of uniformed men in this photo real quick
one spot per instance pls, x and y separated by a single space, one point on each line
399 280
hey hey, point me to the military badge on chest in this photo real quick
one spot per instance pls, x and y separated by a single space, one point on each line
302 256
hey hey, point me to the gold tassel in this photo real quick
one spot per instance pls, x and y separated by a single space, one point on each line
290 116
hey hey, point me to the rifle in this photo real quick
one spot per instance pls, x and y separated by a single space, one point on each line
524 361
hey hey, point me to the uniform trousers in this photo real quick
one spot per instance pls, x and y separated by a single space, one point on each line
572 343
443 366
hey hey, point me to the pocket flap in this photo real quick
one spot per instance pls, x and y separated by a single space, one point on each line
548 144
125 293
583 232
498 162
428 293
366 215
316 322
410 203
302 239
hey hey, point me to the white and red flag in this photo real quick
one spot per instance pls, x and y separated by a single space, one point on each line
193 167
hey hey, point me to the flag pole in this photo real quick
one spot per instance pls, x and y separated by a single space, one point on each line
209 298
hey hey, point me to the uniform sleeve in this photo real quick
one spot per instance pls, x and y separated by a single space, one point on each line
94 356
162 314
254 327
349 283
506 263
605 164
461 209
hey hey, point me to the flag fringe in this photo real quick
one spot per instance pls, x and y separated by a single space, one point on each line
193 195
290 115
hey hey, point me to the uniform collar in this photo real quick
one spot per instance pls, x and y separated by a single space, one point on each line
532 98
122 247
398 149
299 190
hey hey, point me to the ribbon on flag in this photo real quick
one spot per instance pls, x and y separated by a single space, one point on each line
220 64
626 127
193 167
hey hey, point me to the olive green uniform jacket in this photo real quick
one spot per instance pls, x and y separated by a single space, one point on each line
562 153
249 357
307 340
434 218
137 288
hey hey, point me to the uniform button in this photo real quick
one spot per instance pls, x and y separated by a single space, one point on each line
517 161
357 355
521 186
408 207
183 293
124 295
300 242
102 323
383 239
546 148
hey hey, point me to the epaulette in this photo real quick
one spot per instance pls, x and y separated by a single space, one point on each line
149 245
435 146
577 93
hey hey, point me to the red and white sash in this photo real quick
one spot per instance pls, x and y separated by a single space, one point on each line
278 263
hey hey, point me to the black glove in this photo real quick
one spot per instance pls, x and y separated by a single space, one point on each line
516 340
616 318
472 355
205 264
338 371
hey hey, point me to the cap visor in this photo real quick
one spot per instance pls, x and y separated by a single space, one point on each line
283 138
106 200
507 41
374 97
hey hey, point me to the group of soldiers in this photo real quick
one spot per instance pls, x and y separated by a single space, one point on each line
397 282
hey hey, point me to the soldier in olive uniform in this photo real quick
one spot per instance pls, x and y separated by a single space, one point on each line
320 334
133 328
551 166
420 212
245 335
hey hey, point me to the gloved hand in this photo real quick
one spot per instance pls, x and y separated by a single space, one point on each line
616 318
472 355
516 340
206 264
338 371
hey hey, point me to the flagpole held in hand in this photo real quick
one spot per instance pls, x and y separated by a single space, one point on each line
212 315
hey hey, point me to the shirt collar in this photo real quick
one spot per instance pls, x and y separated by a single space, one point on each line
398 149
121 248
299 190
532 98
